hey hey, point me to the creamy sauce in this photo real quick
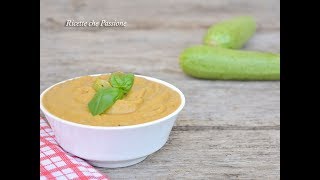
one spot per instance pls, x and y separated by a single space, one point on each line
146 101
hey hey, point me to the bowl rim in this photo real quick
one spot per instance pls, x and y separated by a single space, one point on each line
153 122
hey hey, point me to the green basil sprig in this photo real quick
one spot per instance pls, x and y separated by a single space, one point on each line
101 83
122 81
106 96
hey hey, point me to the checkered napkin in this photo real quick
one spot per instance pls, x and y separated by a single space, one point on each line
57 164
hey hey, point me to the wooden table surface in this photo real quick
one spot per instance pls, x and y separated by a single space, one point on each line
227 130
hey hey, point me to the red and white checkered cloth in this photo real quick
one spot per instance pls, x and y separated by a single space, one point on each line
55 163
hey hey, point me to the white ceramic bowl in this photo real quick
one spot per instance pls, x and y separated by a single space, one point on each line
113 147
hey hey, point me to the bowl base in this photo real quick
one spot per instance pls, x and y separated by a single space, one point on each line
116 164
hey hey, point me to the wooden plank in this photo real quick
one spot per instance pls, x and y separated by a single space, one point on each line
210 154
165 14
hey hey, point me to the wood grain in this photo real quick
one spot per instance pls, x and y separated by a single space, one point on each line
227 130
210 154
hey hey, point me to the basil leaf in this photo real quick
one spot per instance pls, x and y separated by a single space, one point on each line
122 81
103 100
106 95
100 83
